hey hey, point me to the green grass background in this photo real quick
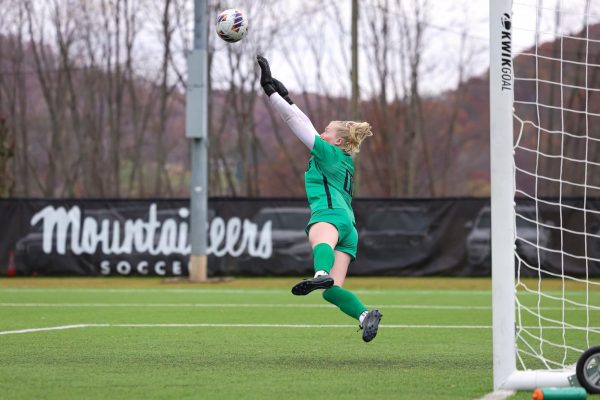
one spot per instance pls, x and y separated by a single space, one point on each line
242 362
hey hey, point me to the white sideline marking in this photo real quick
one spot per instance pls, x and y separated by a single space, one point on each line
267 305
230 326
50 328
407 291
498 395
62 327
311 326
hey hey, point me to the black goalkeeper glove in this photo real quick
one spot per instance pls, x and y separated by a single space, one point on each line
266 81
282 90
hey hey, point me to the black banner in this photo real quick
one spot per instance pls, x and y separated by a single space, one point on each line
262 237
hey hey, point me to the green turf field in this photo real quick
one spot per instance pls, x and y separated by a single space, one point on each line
244 339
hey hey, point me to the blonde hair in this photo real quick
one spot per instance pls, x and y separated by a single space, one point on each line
353 134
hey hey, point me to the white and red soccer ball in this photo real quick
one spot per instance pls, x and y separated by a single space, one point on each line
232 25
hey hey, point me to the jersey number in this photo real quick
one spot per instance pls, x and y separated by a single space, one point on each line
348 182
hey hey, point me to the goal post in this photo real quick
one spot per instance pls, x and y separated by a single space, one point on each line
546 163
502 191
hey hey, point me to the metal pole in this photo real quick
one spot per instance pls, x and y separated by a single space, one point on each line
354 51
355 88
197 131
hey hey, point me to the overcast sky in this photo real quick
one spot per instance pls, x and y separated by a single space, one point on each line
445 24
314 43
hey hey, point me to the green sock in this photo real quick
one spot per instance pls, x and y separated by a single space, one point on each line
345 300
324 257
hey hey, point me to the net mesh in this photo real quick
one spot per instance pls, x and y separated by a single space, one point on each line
556 53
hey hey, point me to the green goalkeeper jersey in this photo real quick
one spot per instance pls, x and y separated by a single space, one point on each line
328 178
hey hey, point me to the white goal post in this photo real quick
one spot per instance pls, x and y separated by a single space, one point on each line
539 328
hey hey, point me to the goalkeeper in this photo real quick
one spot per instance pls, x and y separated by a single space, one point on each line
328 181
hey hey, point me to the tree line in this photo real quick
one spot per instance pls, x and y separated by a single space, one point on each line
92 99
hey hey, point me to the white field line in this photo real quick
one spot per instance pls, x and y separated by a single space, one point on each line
50 328
292 326
264 305
287 326
236 305
443 292
311 326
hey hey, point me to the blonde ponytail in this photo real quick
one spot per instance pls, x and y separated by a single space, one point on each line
353 134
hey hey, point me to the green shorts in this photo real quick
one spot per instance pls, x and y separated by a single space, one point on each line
348 236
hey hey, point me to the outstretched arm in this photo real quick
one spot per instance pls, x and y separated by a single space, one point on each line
298 122
283 92
299 126
306 120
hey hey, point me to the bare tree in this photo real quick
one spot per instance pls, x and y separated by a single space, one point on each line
457 101
377 45
65 39
52 85
413 28
92 89
140 106
160 175
6 155
13 99
115 88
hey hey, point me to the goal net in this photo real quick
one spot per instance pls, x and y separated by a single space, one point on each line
545 167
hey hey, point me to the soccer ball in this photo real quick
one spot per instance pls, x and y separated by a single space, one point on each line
231 25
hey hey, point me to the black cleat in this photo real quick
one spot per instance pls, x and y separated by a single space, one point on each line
370 325
308 285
